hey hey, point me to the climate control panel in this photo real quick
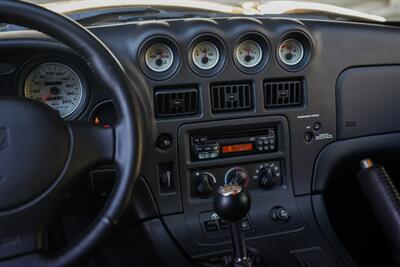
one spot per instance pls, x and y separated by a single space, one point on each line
254 176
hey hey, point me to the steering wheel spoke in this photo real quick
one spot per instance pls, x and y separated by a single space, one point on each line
22 232
91 145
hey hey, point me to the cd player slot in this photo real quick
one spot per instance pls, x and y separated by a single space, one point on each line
234 143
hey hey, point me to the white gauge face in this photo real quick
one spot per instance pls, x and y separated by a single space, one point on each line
159 57
205 55
56 85
291 52
248 53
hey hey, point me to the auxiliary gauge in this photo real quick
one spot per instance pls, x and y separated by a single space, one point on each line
248 53
291 52
205 55
159 57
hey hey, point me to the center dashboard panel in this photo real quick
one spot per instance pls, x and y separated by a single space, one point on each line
266 174
235 100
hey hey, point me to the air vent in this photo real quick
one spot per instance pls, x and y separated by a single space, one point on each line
177 102
231 97
283 93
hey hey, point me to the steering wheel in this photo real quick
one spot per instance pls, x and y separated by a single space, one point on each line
40 154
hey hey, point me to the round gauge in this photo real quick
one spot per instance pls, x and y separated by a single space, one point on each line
248 53
291 52
205 55
56 85
159 57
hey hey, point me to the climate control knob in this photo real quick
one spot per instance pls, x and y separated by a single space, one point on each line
205 184
266 177
237 175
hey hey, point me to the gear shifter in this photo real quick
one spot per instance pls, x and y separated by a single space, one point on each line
232 203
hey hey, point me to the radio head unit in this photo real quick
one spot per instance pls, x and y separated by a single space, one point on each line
233 143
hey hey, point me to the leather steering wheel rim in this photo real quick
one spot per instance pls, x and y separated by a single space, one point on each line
128 133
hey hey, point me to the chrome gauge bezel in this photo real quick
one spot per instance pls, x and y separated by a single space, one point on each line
283 59
221 48
74 66
215 63
263 44
152 73
304 40
171 62
244 63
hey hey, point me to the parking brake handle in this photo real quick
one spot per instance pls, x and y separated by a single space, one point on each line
384 199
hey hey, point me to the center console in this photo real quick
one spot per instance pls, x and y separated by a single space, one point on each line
253 153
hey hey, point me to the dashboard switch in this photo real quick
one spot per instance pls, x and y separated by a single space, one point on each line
280 215
164 141
316 126
166 176
268 174
210 226
205 184
308 136
266 177
237 175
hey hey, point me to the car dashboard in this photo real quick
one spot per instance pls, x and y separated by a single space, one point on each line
250 100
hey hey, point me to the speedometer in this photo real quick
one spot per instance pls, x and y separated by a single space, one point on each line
56 85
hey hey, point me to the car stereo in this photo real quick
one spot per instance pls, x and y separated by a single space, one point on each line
234 143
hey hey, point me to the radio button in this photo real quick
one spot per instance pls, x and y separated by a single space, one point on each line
272 141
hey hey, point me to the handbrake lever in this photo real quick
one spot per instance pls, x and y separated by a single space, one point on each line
384 199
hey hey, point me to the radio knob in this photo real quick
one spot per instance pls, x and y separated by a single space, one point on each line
266 177
238 176
205 184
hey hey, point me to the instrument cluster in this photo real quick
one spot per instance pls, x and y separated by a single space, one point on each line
56 82
207 54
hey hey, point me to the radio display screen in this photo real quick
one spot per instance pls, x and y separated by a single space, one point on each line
237 148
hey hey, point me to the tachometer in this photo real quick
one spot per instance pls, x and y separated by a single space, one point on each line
159 57
291 52
205 55
57 85
248 53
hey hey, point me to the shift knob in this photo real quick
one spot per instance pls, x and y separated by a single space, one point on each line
232 202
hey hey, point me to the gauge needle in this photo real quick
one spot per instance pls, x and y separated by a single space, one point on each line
44 99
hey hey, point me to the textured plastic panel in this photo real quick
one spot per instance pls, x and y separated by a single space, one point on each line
368 101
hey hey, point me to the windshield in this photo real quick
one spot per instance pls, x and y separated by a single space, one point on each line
377 10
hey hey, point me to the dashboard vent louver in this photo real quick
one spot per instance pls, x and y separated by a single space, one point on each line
176 102
283 93
231 97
